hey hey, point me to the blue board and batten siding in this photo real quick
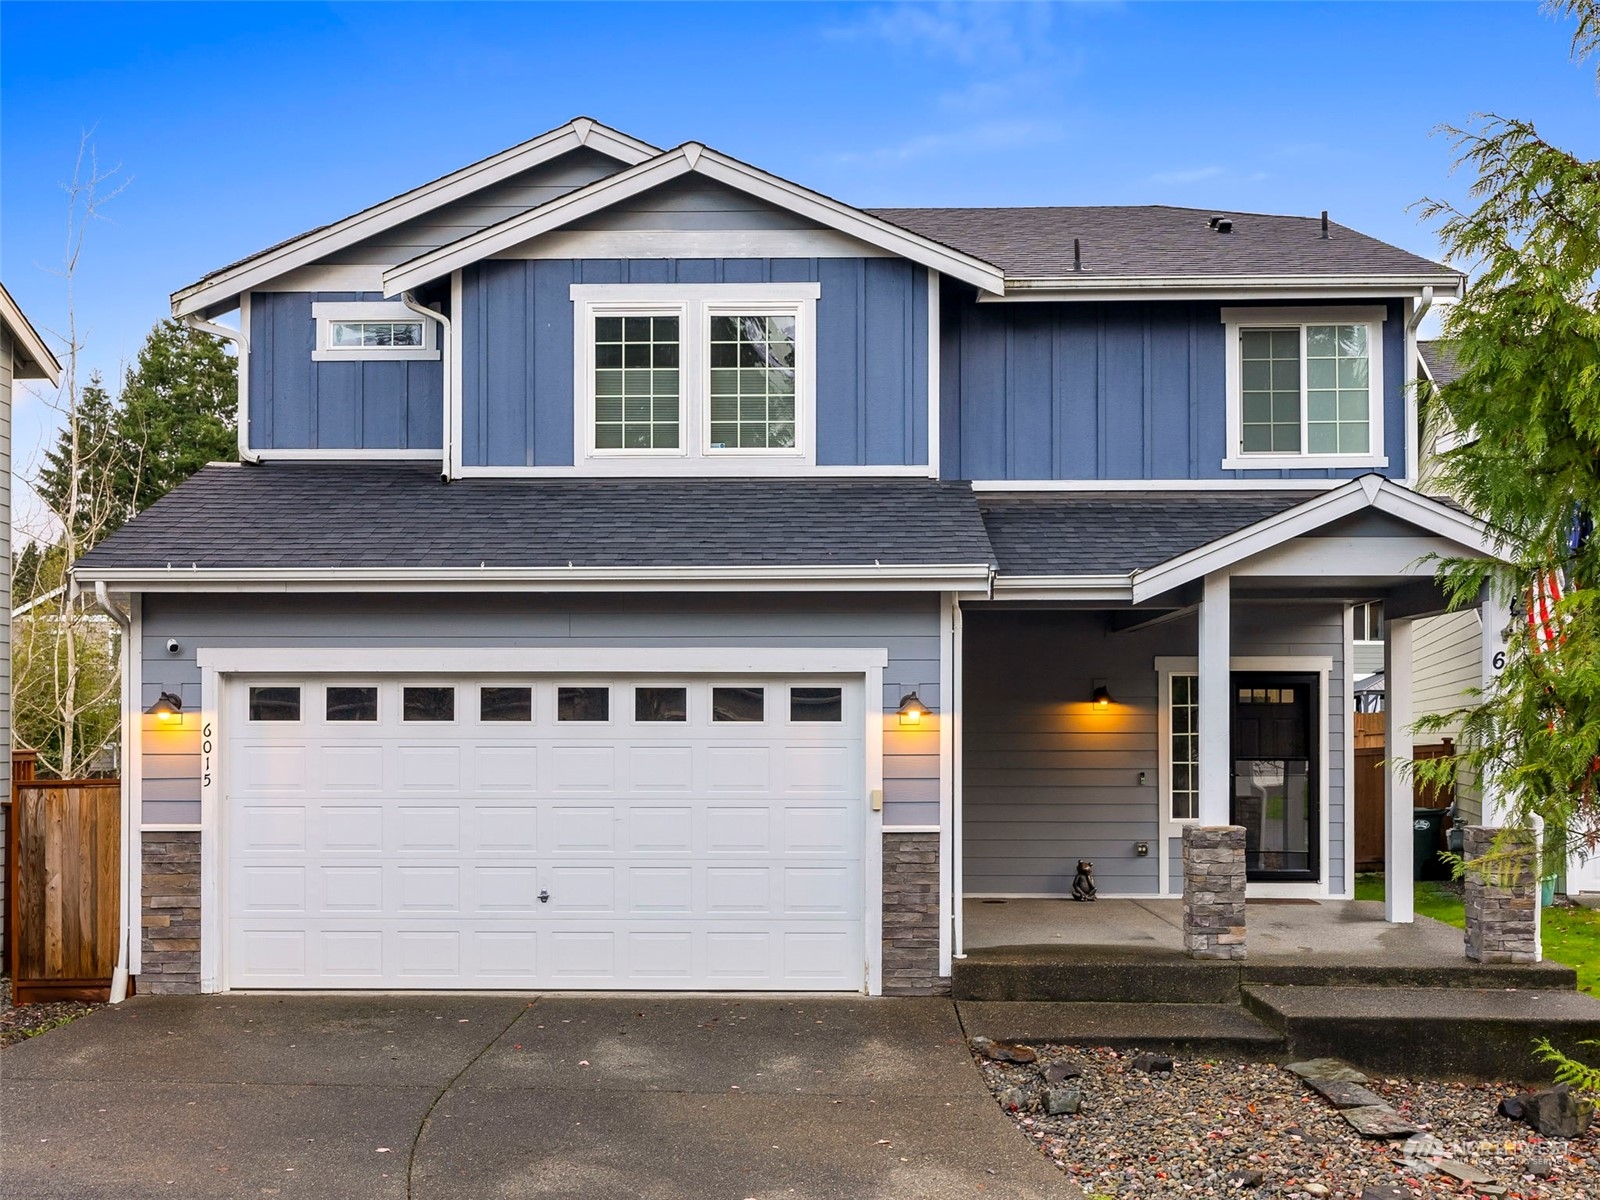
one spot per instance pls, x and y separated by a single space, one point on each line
299 404
1106 391
517 406
906 626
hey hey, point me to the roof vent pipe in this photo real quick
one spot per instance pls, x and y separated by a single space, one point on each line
1324 224
1077 255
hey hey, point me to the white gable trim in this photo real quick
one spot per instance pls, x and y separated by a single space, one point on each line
217 292
691 158
1369 491
36 360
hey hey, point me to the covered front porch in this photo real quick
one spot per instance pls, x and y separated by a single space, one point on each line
1104 718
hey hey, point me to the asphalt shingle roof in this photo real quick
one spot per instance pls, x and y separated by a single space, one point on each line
1109 534
1156 240
352 515
1440 359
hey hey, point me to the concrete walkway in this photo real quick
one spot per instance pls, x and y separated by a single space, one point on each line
465 1097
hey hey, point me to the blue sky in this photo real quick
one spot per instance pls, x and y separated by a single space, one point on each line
237 125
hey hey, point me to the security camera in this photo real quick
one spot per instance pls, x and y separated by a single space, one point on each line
172 645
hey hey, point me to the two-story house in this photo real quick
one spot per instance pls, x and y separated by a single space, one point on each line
647 572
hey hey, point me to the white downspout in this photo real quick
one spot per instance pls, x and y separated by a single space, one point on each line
410 301
119 976
238 338
1413 432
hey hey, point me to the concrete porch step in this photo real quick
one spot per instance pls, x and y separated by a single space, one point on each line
1447 1032
1094 974
1190 1029
1157 975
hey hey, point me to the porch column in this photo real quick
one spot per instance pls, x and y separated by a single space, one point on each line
1214 655
1397 843
1495 616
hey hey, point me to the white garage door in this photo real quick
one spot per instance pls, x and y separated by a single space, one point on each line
644 833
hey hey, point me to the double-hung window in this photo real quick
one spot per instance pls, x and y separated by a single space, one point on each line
372 330
1304 387
718 373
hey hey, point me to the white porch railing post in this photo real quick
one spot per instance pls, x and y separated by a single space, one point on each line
1213 657
1397 841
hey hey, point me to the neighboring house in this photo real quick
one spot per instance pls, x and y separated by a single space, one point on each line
646 572
23 355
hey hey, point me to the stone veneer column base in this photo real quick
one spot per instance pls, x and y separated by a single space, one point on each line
1213 891
911 916
170 954
1502 912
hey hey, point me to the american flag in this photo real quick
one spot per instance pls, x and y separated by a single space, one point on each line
1544 626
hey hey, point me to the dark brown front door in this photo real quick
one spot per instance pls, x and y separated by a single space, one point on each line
1275 774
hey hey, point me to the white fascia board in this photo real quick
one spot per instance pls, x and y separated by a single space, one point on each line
1369 491
941 577
526 660
1218 287
217 292
1092 486
43 362
690 157
1063 587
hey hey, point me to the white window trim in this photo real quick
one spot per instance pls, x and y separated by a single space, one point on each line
1234 319
330 312
694 305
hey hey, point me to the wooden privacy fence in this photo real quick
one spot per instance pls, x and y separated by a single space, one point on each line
63 838
1368 789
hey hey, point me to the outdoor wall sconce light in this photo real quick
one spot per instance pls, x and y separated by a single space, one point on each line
912 710
166 708
1101 697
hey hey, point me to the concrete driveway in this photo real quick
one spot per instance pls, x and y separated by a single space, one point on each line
490 1097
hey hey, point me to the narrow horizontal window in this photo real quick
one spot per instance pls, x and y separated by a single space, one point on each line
274 704
816 704
636 383
738 704
583 704
505 704
660 704
428 704
350 335
352 704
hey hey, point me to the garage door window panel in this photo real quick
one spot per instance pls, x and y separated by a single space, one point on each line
502 704
738 704
811 705
658 704
432 704
583 704
274 704
352 704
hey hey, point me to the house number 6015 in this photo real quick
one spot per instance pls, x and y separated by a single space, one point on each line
205 752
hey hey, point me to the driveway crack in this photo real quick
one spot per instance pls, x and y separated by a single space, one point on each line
427 1117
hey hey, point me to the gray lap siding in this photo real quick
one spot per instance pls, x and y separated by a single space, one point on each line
907 626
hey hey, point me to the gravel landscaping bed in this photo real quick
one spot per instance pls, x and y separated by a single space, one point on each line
18 1023
1231 1128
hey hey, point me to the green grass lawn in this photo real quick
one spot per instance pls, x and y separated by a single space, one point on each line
1570 935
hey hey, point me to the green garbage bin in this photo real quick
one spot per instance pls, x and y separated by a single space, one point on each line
1427 826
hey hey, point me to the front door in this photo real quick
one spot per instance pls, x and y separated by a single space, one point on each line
1275 774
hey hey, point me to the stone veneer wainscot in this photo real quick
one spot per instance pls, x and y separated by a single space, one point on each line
911 916
170 959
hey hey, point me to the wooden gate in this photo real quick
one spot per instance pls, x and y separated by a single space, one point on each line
63 843
1368 789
